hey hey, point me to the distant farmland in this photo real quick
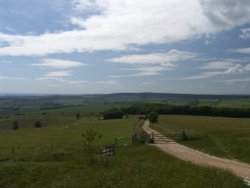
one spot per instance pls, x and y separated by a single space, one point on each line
24 104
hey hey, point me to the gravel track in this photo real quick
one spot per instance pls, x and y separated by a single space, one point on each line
187 154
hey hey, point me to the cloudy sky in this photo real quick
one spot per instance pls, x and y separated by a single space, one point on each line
107 46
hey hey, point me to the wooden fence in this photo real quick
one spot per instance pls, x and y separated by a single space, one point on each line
156 138
159 138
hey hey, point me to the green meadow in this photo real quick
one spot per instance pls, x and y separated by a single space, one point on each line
234 103
225 103
54 156
224 137
207 102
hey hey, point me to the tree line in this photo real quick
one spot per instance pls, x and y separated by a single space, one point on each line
167 109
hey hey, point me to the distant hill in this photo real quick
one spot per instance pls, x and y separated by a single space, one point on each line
11 104
131 97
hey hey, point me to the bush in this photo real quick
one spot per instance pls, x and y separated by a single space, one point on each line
89 138
15 125
153 117
38 124
184 136
77 116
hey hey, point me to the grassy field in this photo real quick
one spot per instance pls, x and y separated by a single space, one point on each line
35 164
234 103
37 104
133 166
56 117
178 102
86 110
207 102
225 137
224 103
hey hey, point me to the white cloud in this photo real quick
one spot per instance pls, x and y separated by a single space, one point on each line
164 59
56 75
241 50
225 14
245 33
62 76
77 82
151 64
236 69
58 64
109 82
142 71
59 74
196 77
233 70
218 65
247 67
83 4
120 24
89 5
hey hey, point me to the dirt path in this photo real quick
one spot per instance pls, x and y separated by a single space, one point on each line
187 154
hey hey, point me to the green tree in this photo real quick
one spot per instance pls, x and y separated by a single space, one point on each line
113 114
77 116
153 117
15 125
37 124
90 137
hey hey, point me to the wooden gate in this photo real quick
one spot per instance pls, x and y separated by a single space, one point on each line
159 138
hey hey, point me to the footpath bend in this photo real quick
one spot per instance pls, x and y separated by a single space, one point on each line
194 156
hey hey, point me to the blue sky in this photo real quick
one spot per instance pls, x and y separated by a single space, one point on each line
108 46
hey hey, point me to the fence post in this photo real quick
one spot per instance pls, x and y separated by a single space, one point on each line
116 141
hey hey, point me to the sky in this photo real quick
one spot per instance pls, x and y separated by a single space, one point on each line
114 46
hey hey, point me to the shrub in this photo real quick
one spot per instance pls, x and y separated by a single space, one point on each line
77 116
15 125
184 136
90 137
153 117
37 124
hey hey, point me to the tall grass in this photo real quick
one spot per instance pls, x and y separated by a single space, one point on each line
134 166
